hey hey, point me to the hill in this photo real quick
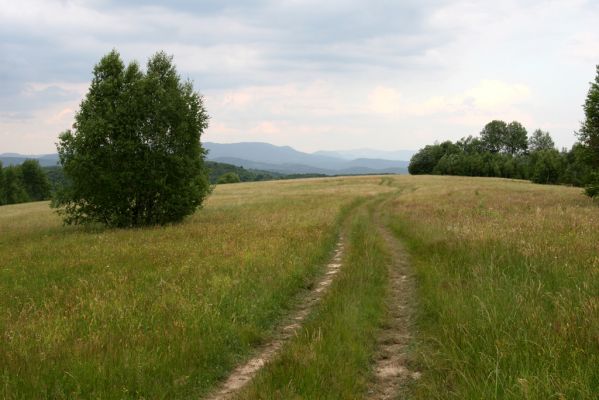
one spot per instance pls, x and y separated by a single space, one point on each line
284 159
275 160
506 304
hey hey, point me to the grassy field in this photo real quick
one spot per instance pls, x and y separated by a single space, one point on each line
163 312
330 358
507 277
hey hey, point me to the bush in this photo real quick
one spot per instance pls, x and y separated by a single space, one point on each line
229 177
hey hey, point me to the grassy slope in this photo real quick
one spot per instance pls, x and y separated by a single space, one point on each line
509 288
508 305
164 312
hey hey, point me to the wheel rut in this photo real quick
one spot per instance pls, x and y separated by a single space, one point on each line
288 328
392 372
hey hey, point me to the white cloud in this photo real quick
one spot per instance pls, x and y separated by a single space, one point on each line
384 100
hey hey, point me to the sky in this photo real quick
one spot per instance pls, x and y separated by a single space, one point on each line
314 75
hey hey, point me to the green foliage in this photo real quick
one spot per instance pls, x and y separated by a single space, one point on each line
589 130
35 181
516 140
217 169
229 177
425 160
134 157
504 150
56 178
493 136
2 190
547 166
540 141
592 189
23 183
589 135
14 190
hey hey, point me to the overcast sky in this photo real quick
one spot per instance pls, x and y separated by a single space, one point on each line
315 75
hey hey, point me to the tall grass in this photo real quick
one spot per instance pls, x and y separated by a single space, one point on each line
330 357
508 278
158 312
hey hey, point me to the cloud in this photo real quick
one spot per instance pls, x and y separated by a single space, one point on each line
384 100
338 73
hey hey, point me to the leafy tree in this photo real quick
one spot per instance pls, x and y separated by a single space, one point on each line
578 172
134 156
425 160
35 181
516 138
493 136
229 177
589 130
540 141
547 167
470 145
589 135
2 184
14 192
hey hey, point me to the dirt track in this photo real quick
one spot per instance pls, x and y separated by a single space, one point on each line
245 372
392 373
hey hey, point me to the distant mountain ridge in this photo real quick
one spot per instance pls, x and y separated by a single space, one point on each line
397 155
279 159
285 159
45 160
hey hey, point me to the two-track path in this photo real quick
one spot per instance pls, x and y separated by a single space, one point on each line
391 372
244 373
391 369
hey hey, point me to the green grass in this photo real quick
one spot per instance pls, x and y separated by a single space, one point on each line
508 278
507 303
330 356
159 312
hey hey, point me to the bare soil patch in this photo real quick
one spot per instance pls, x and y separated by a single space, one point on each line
392 367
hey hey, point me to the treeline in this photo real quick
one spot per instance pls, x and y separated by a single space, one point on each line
30 182
220 173
23 183
217 170
505 150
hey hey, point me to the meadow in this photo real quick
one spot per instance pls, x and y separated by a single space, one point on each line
506 302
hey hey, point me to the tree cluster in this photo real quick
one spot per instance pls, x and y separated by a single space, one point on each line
505 150
23 183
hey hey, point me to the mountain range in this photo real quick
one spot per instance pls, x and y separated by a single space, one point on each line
281 159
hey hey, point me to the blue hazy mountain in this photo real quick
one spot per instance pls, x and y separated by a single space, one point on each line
268 157
285 159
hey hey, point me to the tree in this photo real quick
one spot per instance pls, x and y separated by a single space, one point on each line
589 130
540 141
493 136
589 134
35 181
547 167
229 177
14 192
427 158
2 184
516 139
578 172
134 155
